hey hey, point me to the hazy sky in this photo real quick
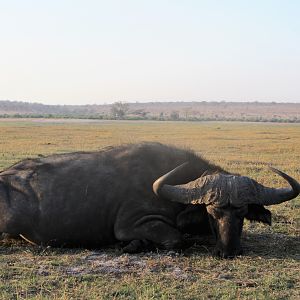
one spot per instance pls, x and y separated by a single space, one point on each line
79 52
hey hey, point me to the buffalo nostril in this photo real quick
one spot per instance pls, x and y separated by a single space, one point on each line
228 255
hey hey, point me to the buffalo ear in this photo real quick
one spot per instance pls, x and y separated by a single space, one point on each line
259 213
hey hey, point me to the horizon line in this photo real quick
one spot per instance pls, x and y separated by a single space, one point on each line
156 101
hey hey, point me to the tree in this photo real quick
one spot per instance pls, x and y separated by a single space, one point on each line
174 116
119 110
161 116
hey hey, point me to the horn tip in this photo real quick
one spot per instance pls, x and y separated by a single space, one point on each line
277 171
155 187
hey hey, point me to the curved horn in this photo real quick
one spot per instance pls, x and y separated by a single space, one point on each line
167 178
271 196
175 193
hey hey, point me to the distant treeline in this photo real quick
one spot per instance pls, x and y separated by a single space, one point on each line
150 118
160 111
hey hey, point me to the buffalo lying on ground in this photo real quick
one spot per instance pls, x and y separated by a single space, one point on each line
144 195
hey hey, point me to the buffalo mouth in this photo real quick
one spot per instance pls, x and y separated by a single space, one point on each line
227 251
227 254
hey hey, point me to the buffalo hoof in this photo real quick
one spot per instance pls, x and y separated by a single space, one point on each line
136 246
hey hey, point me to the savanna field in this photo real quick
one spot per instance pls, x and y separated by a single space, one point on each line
270 266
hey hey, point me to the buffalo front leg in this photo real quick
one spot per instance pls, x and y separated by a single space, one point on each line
136 246
150 233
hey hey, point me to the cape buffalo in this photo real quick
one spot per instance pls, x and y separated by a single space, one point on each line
143 194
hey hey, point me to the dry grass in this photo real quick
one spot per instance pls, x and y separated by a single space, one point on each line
268 270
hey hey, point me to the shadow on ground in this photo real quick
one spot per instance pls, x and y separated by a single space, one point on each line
267 246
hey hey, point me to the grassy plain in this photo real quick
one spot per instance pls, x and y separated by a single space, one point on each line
269 269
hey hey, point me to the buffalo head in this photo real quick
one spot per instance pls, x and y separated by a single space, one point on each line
228 199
